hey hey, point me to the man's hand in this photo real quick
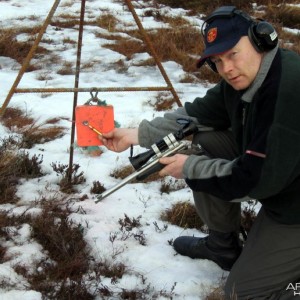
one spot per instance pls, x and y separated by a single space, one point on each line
120 139
174 165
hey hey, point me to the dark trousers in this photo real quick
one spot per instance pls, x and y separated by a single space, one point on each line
269 266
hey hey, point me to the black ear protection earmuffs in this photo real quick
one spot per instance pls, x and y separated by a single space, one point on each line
262 34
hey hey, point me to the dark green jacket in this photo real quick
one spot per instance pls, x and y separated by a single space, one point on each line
279 187
267 131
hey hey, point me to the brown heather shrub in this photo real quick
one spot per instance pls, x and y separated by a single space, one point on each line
97 188
2 253
68 255
14 165
44 76
63 240
69 177
8 192
3 233
69 271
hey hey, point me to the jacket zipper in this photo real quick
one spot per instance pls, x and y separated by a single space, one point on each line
244 115
244 118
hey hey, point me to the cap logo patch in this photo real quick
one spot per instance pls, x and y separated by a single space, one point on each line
212 34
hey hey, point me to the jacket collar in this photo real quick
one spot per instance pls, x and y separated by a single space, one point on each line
261 75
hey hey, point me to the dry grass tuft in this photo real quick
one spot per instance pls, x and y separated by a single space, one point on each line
217 293
183 214
68 68
37 134
285 15
207 6
122 173
107 21
10 47
203 6
127 47
16 118
178 44
65 21
32 133
119 66
164 101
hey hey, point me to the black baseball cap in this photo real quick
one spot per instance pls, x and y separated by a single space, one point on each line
222 34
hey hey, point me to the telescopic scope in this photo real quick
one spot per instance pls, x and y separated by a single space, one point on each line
164 144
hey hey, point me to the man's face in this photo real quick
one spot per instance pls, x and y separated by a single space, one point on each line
239 66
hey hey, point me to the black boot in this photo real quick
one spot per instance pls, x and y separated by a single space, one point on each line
222 248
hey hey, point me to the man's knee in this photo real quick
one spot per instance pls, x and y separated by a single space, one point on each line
242 289
220 144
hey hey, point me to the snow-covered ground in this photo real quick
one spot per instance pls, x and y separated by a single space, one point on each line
157 260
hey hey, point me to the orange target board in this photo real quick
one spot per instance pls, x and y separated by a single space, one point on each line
92 120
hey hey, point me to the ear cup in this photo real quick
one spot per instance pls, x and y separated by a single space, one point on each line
263 36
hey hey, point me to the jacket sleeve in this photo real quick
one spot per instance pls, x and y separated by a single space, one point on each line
222 178
152 131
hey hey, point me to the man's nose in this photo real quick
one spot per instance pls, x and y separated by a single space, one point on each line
227 66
